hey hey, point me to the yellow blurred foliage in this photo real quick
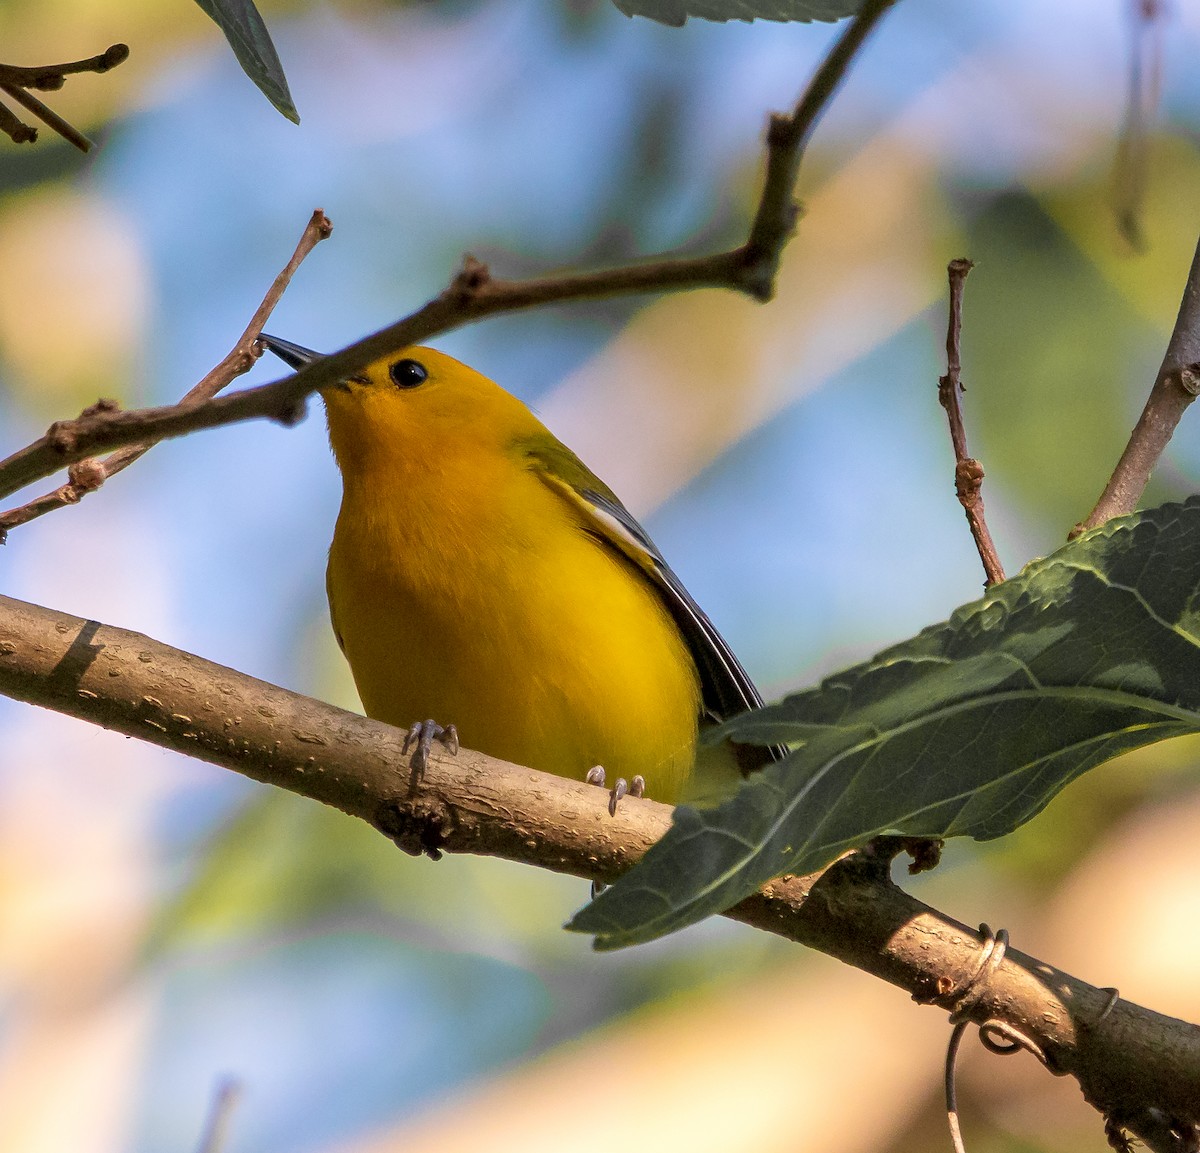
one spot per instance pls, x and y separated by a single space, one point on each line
1149 281
51 31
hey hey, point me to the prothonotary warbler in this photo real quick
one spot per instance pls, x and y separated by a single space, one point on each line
482 574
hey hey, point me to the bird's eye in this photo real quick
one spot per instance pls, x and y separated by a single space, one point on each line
408 373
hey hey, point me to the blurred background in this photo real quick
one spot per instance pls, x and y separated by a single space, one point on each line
167 928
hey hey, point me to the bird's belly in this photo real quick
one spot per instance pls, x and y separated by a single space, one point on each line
560 662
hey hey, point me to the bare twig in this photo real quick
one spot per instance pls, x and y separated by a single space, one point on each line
48 77
968 472
993 949
14 127
216 1124
473 294
1175 387
15 80
87 475
48 116
951 1088
787 138
1141 105
1128 1060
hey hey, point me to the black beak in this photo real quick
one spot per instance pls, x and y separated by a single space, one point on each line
294 355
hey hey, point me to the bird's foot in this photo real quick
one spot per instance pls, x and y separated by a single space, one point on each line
423 734
634 788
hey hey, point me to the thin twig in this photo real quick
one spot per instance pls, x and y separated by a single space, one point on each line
787 138
1125 1058
473 294
956 1036
993 948
48 116
87 475
1174 388
1141 105
48 77
15 80
14 127
216 1124
968 472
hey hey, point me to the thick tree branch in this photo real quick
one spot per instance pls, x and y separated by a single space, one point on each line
1175 387
749 268
1129 1061
87 475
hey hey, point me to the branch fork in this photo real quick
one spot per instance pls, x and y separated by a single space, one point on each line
16 82
72 438
472 294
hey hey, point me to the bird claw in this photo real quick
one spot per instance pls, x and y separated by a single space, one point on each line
424 733
635 788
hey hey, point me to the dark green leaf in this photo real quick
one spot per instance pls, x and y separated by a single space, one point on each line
675 12
968 729
251 44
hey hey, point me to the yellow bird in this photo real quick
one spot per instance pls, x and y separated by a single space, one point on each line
480 573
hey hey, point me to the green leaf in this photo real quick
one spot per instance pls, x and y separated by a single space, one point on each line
968 729
251 44
675 12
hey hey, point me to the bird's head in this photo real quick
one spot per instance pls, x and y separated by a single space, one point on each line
416 398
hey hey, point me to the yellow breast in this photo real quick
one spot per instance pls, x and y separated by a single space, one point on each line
464 589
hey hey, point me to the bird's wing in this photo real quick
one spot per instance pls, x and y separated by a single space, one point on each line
726 688
337 632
